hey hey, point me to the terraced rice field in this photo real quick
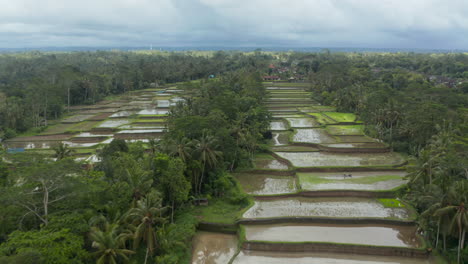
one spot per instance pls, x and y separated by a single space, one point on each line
369 181
335 207
261 184
375 235
213 248
327 159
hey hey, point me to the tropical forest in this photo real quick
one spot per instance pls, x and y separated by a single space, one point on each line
243 157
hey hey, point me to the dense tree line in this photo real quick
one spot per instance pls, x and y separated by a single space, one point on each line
36 87
134 206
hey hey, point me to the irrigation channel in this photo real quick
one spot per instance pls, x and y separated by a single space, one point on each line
135 116
325 193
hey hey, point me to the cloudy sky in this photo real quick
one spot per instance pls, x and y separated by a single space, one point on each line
435 24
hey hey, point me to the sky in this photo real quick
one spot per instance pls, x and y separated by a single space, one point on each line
425 24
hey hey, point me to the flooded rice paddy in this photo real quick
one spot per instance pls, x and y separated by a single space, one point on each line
324 207
326 159
297 122
278 125
114 123
270 164
153 112
213 248
260 184
368 181
266 257
313 135
378 235
356 145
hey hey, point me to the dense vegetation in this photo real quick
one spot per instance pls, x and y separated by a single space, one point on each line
36 87
415 112
136 204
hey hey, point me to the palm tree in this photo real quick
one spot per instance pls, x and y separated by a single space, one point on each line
144 217
181 147
62 151
110 243
458 214
133 172
206 149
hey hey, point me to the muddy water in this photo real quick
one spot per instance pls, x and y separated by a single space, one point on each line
302 122
336 181
313 135
324 159
259 184
324 207
213 248
271 164
378 235
266 257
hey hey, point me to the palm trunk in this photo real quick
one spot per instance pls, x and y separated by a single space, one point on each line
201 177
172 213
146 256
459 245
438 231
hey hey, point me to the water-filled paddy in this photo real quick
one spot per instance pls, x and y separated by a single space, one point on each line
376 235
213 248
123 114
327 159
260 184
312 135
163 103
301 122
369 181
324 207
278 125
267 257
137 131
32 144
153 112
357 145
114 123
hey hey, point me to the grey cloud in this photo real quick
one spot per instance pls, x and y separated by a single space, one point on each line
307 23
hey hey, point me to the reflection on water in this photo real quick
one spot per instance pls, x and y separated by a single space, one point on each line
266 257
324 207
278 125
378 235
320 159
301 122
313 135
213 248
